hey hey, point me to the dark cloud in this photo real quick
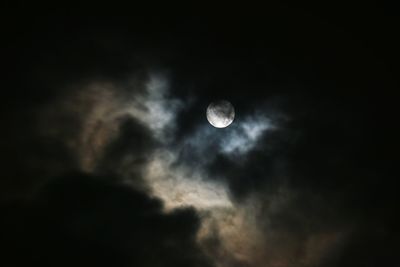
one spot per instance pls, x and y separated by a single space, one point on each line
130 150
29 158
82 220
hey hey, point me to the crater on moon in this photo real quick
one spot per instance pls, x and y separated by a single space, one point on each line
220 114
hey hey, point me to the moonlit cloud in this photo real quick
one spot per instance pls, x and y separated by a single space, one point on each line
154 108
101 106
236 140
245 135
169 177
177 171
180 186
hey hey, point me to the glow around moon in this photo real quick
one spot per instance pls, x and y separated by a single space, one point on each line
220 114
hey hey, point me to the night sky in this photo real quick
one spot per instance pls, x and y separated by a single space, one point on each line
107 158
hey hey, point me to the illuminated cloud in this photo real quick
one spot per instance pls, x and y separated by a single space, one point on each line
169 177
237 140
154 107
130 131
245 134
179 186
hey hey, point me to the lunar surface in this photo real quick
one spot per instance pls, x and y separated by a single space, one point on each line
220 114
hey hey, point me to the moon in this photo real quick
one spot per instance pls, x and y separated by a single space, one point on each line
220 114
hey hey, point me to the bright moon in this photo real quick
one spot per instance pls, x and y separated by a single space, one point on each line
220 114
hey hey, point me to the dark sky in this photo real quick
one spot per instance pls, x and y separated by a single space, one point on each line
107 158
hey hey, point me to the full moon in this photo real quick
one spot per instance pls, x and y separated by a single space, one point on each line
220 114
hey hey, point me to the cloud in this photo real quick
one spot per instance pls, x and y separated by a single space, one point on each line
206 143
126 130
244 136
83 220
181 186
230 177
